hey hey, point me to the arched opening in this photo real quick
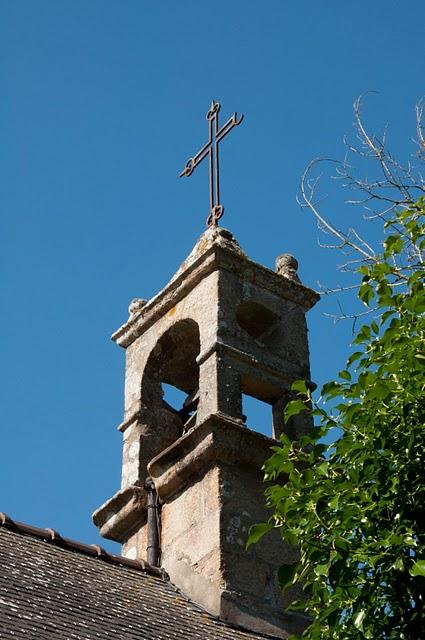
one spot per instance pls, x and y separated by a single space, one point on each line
255 319
171 370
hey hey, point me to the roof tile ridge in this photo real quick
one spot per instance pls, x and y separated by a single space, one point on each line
51 535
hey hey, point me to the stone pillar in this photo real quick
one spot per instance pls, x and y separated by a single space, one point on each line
219 386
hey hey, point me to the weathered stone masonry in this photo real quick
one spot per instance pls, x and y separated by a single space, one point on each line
223 326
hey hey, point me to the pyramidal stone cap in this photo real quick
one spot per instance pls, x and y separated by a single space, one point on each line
216 248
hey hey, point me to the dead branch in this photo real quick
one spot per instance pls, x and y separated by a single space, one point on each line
419 128
395 186
308 190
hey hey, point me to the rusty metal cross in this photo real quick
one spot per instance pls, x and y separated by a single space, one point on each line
210 149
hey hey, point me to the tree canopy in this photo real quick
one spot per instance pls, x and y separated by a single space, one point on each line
355 505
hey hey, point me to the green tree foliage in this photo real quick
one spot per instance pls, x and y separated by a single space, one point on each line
356 507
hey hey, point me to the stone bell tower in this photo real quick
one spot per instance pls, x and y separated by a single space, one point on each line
222 326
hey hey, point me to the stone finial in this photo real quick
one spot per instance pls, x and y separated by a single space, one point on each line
212 236
135 306
286 266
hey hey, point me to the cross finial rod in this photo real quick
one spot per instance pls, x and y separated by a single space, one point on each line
210 149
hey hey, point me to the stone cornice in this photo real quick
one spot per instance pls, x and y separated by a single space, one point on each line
215 257
117 517
218 438
279 369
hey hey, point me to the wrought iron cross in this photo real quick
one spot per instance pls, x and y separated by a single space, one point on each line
210 149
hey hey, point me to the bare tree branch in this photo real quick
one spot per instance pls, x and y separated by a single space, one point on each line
419 129
308 191
397 186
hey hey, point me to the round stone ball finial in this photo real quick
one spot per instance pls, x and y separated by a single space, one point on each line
136 305
286 266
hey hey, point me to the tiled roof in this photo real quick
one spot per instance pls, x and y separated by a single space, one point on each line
50 590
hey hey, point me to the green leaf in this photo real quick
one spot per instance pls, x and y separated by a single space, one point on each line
379 391
386 315
286 574
418 568
257 531
366 293
341 544
322 469
293 408
331 389
398 564
354 356
393 244
289 536
333 504
285 440
299 386
358 620
363 335
346 375
321 569
364 270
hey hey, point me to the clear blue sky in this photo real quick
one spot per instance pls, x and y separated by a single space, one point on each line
101 104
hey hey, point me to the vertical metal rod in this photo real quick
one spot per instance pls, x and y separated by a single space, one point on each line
217 176
153 549
211 159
